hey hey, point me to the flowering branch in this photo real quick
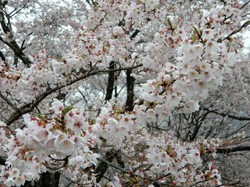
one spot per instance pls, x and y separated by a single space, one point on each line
30 106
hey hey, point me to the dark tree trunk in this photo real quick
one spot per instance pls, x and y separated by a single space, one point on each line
103 166
130 91
46 180
111 81
110 155
2 161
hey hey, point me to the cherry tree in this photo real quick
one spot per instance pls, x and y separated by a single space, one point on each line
78 99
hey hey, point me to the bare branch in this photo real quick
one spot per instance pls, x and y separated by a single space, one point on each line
228 115
245 4
16 10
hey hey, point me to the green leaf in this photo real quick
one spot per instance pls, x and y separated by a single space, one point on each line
196 31
57 119
169 22
41 117
66 110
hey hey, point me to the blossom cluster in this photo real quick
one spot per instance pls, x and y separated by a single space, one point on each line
69 137
62 140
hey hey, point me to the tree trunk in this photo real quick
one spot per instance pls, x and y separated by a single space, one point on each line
111 81
130 91
46 180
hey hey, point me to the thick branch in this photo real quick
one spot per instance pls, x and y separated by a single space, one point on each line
232 150
18 51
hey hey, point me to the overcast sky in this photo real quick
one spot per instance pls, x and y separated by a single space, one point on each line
247 40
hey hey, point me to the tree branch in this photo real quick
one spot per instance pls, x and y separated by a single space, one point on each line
11 43
238 30
30 106
156 183
245 4
16 11
230 116
134 34
232 150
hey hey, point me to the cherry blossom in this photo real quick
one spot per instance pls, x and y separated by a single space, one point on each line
169 60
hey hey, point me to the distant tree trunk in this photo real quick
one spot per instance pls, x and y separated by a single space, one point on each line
2 161
103 166
111 82
110 155
130 91
46 180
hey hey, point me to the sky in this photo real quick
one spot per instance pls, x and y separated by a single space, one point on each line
247 41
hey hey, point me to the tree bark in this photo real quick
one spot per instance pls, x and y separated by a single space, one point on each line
2 161
111 81
46 180
103 166
130 91
232 150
